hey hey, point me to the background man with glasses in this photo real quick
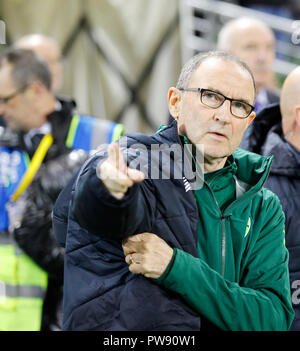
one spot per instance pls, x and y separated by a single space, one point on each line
36 161
48 49
209 259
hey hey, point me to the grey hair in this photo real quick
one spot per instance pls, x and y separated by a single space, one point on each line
193 63
26 67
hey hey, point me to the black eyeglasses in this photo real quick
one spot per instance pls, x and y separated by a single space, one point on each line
4 100
213 99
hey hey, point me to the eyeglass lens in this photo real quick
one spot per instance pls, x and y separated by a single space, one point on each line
215 100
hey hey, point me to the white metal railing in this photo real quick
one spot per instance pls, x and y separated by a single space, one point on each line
201 20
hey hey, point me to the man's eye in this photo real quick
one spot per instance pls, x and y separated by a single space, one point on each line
239 105
250 47
212 96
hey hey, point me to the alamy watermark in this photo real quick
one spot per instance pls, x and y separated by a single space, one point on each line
296 33
163 161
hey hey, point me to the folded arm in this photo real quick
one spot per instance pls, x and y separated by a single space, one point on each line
108 199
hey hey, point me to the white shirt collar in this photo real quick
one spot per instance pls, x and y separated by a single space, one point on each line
44 129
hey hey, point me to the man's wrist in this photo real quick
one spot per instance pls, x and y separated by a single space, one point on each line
168 269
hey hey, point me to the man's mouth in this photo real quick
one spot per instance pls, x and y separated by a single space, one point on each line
218 135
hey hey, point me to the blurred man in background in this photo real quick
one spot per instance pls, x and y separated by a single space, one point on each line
48 49
35 164
282 139
254 42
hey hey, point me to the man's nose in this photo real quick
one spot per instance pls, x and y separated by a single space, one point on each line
223 113
262 55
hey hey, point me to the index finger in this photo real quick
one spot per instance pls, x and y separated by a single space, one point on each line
116 157
131 246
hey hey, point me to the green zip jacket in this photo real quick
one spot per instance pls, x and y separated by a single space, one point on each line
240 280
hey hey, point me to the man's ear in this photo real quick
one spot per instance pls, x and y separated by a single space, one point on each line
251 118
174 99
36 88
297 115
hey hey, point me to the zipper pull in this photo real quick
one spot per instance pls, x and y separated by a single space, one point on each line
224 216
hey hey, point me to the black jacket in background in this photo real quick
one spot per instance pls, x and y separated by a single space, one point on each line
259 126
284 180
255 134
2 123
35 235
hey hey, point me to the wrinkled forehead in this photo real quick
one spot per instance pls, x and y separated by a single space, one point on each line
254 32
225 76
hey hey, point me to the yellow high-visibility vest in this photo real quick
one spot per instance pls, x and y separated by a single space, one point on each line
23 284
23 287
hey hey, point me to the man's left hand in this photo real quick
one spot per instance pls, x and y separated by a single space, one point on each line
147 254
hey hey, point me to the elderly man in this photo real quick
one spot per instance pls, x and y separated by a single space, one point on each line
35 163
212 258
254 42
281 139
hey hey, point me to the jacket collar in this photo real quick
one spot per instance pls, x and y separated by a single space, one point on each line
263 122
60 119
252 169
285 162
168 134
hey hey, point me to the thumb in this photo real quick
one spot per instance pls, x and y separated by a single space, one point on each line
135 175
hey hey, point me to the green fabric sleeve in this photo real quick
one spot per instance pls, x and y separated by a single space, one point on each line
167 270
261 301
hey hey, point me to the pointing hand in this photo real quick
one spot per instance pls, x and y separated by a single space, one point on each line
116 176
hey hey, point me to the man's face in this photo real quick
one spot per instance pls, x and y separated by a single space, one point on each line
16 111
217 129
256 46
